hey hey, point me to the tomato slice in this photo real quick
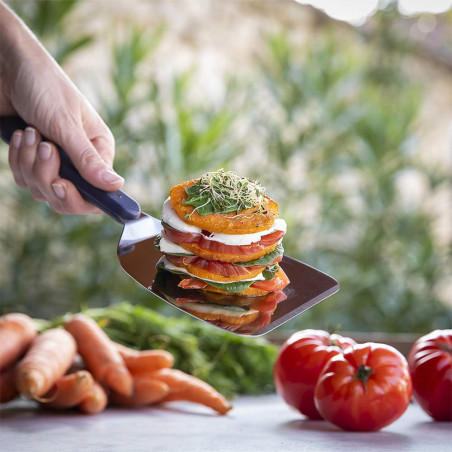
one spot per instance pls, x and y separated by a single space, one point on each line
192 283
218 247
269 302
273 285
277 283
216 267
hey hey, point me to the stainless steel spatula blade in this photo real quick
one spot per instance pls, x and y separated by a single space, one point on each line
137 255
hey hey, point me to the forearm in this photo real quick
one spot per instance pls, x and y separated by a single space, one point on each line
17 45
12 33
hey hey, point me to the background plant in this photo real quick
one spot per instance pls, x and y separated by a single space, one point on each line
335 125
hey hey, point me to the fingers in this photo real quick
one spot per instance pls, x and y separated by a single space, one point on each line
66 199
22 155
35 166
61 194
13 158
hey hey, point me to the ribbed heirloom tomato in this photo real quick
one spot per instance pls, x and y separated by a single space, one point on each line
299 363
430 362
366 388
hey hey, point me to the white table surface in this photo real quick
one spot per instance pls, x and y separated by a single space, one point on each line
256 424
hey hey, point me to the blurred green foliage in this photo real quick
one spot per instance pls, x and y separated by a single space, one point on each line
232 364
51 21
334 122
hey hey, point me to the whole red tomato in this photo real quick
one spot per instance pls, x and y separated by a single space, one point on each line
299 363
366 388
430 362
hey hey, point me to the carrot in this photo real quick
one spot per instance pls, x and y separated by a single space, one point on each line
186 387
69 390
8 389
100 354
96 401
48 358
126 352
145 361
17 331
146 391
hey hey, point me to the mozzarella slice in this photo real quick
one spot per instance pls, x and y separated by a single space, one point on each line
170 217
209 309
169 266
167 246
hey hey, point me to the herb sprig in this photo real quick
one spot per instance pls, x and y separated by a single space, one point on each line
224 192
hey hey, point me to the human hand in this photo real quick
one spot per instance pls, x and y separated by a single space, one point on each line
35 88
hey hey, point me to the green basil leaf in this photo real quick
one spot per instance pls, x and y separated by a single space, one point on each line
236 286
225 306
166 225
269 272
264 260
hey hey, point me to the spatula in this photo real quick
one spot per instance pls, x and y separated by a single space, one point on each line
138 257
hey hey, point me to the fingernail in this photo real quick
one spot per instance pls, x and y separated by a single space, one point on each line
44 151
17 139
30 136
111 177
59 190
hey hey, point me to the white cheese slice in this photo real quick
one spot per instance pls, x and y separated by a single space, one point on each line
169 266
167 246
170 216
209 309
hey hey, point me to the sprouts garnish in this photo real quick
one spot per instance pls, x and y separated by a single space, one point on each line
224 192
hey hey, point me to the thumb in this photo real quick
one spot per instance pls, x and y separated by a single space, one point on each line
90 164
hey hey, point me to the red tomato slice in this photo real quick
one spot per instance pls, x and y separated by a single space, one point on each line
192 283
277 283
273 285
216 267
269 302
217 247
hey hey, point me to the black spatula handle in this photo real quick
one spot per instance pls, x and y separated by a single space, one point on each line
117 204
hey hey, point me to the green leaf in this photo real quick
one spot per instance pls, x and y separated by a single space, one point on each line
225 306
264 260
270 272
236 286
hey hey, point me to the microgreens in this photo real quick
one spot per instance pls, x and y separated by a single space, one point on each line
224 192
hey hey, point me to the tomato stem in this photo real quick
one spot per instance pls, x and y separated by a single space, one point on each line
364 372
444 347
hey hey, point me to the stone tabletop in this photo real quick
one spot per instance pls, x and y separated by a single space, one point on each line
256 424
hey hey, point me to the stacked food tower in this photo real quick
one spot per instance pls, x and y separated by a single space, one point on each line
222 237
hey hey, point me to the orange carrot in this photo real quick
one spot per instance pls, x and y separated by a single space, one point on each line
96 401
186 387
69 390
149 361
146 391
17 331
48 358
100 354
8 389
145 361
126 352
